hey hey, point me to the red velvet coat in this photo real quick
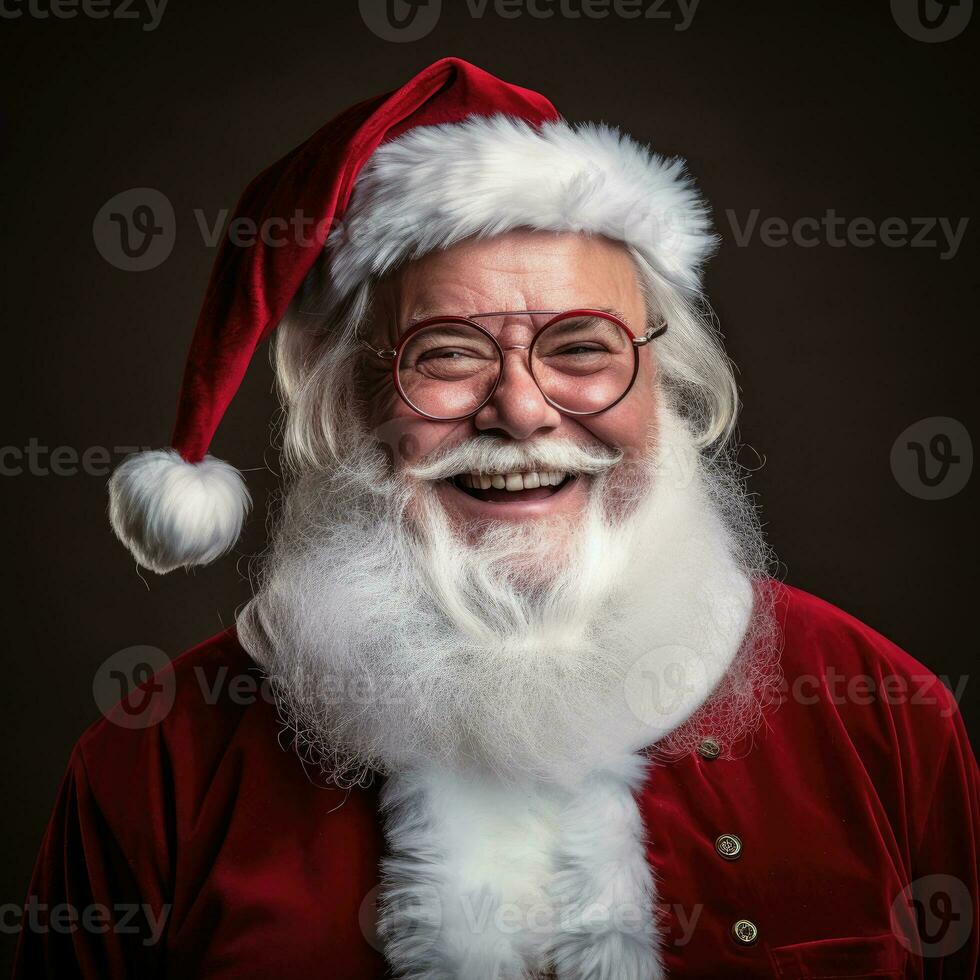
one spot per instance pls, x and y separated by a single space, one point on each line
219 856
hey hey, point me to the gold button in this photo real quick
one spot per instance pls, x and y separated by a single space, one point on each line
729 847
745 932
709 748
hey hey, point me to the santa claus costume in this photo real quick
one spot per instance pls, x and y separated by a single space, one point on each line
655 761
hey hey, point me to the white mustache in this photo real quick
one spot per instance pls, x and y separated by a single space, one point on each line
489 454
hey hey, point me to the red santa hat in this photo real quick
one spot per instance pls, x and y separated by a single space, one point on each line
455 152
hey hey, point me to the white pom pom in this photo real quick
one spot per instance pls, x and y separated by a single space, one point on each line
173 514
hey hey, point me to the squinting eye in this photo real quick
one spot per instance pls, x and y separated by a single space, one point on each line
580 349
444 353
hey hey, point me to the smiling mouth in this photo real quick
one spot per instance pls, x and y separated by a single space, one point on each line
511 488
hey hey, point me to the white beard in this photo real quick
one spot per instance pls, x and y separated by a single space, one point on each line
392 641
503 678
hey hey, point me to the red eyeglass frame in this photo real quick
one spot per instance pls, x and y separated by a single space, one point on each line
395 354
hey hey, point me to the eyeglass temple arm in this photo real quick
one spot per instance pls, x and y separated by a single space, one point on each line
652 334
386 353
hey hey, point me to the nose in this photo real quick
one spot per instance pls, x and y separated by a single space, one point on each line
517 408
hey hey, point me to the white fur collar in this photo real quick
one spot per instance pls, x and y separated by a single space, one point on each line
494 882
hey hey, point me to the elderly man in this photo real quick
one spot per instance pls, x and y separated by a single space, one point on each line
547 713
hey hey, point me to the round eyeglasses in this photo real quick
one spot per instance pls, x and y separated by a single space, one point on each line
446 368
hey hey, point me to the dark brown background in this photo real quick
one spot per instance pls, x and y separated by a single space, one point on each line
789 108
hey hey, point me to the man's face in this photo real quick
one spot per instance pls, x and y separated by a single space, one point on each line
513 647
521 270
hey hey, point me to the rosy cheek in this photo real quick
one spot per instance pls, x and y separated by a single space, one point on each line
630 425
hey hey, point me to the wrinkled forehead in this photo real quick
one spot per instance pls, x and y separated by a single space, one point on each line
515 271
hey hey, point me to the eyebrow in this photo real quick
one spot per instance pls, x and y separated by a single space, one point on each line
424 313
608 309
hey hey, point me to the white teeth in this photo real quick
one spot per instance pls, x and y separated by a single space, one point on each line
511 482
